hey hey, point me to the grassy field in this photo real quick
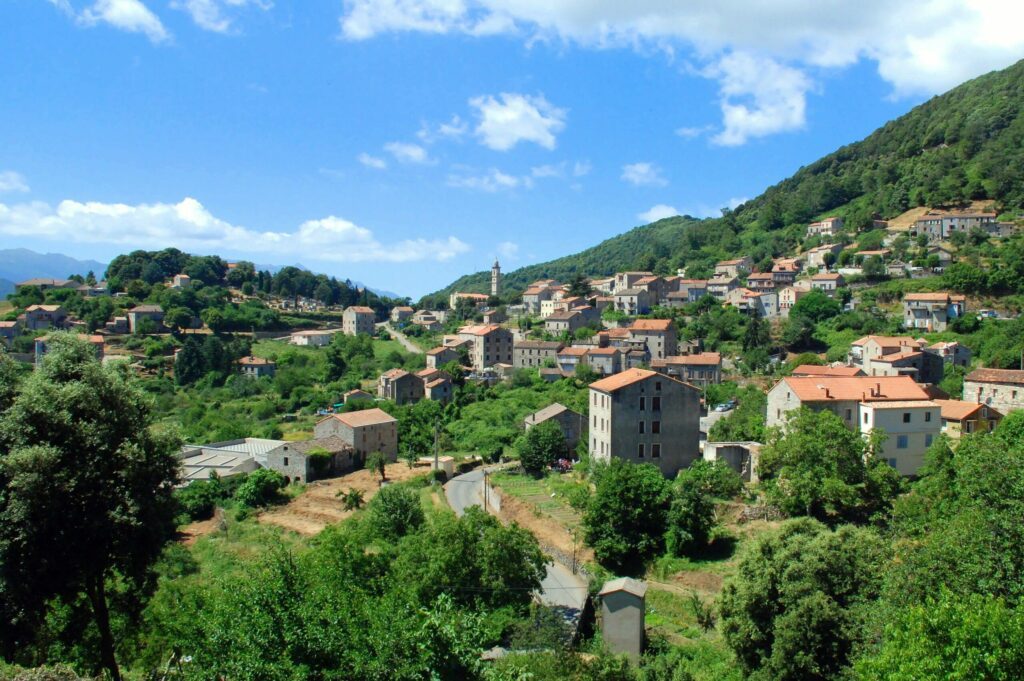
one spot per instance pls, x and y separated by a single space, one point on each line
5 307
548 496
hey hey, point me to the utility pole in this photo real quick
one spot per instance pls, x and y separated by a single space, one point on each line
485 490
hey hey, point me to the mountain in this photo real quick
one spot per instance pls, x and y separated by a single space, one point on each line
6 287
18 264
964 145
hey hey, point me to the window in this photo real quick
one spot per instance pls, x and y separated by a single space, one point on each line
849 414
655 427
928 440
640 451
641 426
643 403
927 417
657 387
892 462
865 417
286 461
655 451
656 404
902 442
906 417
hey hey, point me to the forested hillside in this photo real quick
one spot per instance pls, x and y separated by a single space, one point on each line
963 145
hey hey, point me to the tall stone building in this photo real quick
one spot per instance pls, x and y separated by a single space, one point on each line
496 279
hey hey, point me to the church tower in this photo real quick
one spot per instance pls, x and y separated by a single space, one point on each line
496 279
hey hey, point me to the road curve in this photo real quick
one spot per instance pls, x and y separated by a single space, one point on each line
401 338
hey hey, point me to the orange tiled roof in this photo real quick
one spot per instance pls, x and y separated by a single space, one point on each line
996 376
366 417
622 379
815 370
958 410
859 388
651 325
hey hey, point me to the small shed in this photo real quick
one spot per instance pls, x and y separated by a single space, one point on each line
622 616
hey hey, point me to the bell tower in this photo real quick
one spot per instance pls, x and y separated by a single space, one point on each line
496 279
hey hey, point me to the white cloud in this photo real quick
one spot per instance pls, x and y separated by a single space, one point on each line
922 47
11 181
548 170
581 168
517 118
658 212
454 129
643 174
210 15
190 226
127 15
508 250
408 153
491 181
690 132
759 97
372 161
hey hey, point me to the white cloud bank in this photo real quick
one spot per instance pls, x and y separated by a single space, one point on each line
216 15
658 212
643 174
405 152
127 15
491 181
921 47
189 225
11 181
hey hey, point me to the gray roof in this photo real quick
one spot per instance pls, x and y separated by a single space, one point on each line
539 345
548 412
630 292
626 584
332 444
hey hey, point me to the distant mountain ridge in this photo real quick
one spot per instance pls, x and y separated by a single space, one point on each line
18 264
966 144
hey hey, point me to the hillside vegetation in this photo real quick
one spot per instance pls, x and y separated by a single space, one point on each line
960 146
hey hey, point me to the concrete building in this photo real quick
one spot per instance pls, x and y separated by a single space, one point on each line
437 385
572 424
430 321
489 344
1001 389
828 283
734 268
358 319
721 285
181 281
570 358
605 361
399 386
827 227
45 284
310 460
366 431
701 369
528 354
632 301
911 426
227 458
940 225
441 355
818 256
256 367
805 370
642 416
762 282
564 322
622 617
789 296
353 396
41 317
534 297
658 335
142 316
952 353
313 337
626 280
400 314
959 417
856 400
932 311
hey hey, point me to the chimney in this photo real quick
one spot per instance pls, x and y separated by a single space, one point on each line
827 393
878 389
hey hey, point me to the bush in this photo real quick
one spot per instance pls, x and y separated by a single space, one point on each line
261 487
395 512
714 478
540 447
200 498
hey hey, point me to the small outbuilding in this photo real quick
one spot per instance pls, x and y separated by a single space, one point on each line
622 616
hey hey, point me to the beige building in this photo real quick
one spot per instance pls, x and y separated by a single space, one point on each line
401 314
39 317
313 337
441 355
256 367
816 256
489 344
932 311
366 431
959 417
625 280
139 315
828 283
605 361
527 354
734 268
1001 389
437 385
721 285
911 427
789 296
827 227
642 416
399 386
701 369
564 322
358 319
659 335
534 297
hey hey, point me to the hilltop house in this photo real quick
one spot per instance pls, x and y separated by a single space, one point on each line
256 367
701 369
40 317
721 285
313 337
642 416
145 319
625 280
761 282
817 256
358 319
827 227
1001 389
532 353
478 300
181 281
9 330
45 284
733 268
932 311
427 319
939 225
399 386
366 431
789 296
564 322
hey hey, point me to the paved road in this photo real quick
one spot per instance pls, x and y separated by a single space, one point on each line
560 587
402 338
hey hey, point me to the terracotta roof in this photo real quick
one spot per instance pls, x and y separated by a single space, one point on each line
630 292
438 350
940 297
651 325
472 296
479 329
886 341
618 332
315 332
758 276
728 263
880 251
404 308
647 280
538 345
563 316
700 359
436 382
958 410
826 276
627 584
255 361
360 309
622 379
603 351
428 373
814 370
366 417
394 373
904 404
533 291
8 325
858 388
996 376
897 356
573 351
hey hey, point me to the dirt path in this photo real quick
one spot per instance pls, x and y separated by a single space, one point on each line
547 530
403 339
319 505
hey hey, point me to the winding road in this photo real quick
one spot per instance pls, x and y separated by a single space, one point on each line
401 338
560 588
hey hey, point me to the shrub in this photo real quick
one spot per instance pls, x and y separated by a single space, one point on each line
395 512
261 487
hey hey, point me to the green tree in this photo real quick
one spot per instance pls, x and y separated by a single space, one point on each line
352 499
260 488
395 512
757 334
540 447
87 492
796 608
189 366
818 467
375 461
716 479
579 286
626 517
691 517
815 306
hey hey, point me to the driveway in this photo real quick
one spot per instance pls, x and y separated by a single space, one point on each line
402 338
560 588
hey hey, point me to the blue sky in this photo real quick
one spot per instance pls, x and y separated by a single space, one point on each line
403 143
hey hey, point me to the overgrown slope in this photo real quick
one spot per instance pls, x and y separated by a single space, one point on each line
962 145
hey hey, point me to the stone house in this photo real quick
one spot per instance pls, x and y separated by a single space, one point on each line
789 296
489 344
181 281
437 385
828 283
256 367
627 280
827 227
695 289
932 311
940 225
427 319
40 317
721 285
605 361
298 461
632 301
400 314
922 366
358 319
564 322
952 353
761 282
736 267
569 358
139 315
366 431
534 296
701 369
658 335
528 354
479 300
572 424
959 417
441 355
816 257
399 386
642 416
784 272
356 395
1001 389
9 330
